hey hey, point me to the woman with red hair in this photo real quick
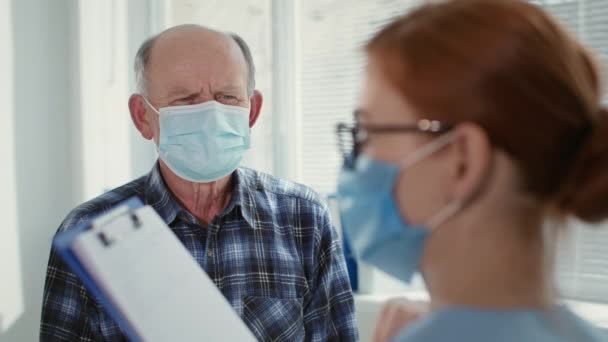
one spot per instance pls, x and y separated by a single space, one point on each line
479 131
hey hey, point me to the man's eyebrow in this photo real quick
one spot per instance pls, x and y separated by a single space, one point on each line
181 92
232 88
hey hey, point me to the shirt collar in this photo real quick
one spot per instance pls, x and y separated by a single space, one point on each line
245 182
159 197
245 185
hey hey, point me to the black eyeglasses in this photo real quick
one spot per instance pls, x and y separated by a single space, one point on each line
352 138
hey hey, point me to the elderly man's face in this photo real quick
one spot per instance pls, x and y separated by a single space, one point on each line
194 66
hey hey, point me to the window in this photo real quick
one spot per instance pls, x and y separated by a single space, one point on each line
332 34
104 122
111 151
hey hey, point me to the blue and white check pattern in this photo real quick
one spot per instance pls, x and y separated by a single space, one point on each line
273 253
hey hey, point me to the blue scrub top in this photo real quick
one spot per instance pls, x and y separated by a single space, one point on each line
476 325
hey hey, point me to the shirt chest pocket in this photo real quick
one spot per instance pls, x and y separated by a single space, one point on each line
274 319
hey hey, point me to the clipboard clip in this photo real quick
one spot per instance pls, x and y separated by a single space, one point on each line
108 238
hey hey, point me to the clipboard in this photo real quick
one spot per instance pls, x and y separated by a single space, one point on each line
146 280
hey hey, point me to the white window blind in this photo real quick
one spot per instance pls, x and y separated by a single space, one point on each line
333 33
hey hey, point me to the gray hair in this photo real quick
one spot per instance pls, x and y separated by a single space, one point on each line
142 59
248 59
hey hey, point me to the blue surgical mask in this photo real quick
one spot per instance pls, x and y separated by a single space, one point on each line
203 142
371 220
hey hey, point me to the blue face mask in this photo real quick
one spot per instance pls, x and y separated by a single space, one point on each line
371 220
204 142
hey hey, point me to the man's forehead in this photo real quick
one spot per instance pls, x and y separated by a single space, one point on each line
191 34
196 52
176 45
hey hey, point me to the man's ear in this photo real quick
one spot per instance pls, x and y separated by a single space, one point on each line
256 101
138 110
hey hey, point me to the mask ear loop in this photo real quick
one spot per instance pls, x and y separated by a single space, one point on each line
156 147
457 205
444 214
427 150
149 104
452 208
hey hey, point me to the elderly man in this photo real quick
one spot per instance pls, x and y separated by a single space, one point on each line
268 244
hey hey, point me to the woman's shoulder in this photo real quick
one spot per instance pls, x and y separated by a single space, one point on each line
465 324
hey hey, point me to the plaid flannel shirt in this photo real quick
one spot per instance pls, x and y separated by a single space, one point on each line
273 253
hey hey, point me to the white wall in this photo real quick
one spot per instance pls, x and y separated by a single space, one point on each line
146 17
46 174
11 298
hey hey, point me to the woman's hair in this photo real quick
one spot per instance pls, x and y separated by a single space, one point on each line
510 68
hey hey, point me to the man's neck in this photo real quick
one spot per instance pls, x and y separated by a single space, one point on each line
203 200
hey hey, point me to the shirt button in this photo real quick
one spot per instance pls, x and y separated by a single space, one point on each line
210 253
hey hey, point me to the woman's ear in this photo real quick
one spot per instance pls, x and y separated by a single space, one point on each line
138 110
473 161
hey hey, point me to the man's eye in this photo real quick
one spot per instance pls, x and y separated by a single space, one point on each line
227 99
183 101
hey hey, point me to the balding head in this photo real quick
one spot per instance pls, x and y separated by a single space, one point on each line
188 65
176 40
